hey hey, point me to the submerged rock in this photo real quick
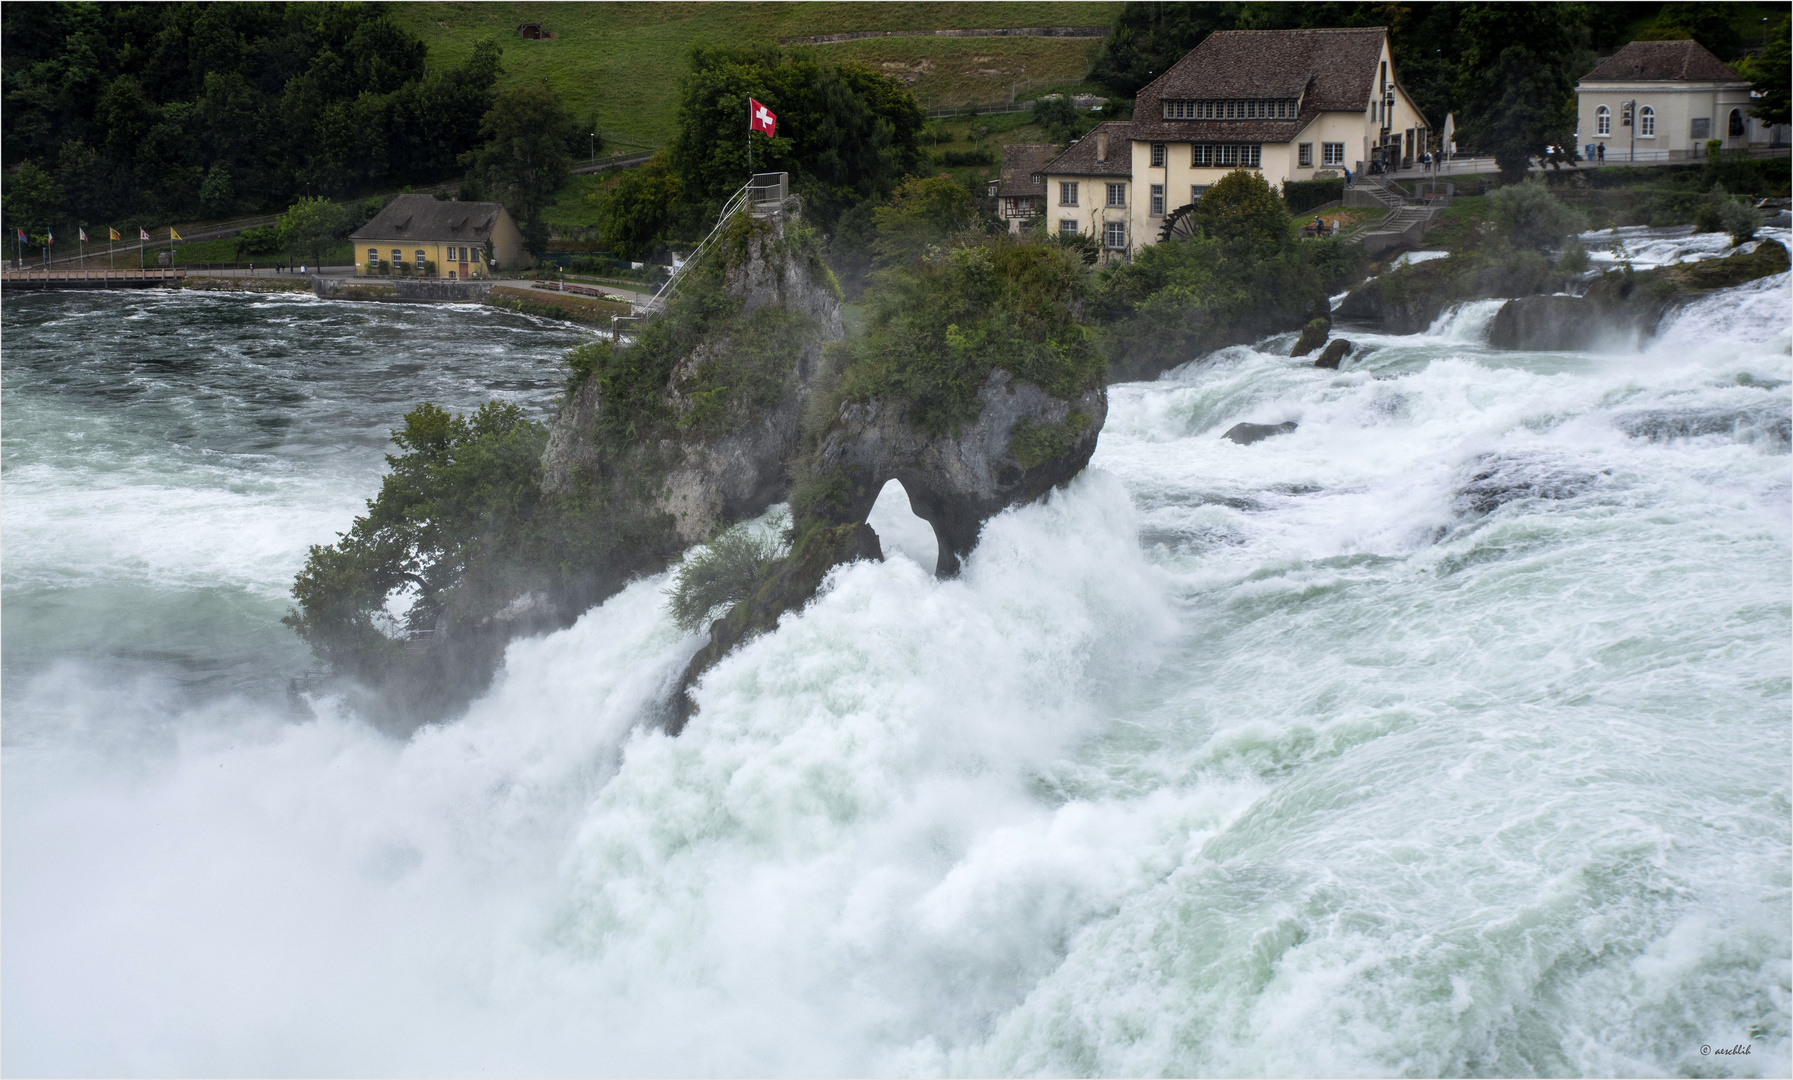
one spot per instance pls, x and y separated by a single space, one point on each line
1336 351
1246 434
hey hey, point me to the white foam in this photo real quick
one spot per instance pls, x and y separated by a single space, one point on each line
1284 758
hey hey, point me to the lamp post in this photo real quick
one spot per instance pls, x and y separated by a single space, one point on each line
594 146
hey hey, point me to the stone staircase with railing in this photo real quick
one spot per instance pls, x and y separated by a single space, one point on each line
1405 223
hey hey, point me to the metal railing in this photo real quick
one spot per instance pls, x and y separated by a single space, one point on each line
766 193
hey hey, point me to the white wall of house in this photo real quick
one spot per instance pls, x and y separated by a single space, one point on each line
1092 215
1674 107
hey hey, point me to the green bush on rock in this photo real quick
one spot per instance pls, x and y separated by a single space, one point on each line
938 327
722 575
1531 217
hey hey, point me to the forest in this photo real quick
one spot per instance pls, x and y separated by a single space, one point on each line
137 113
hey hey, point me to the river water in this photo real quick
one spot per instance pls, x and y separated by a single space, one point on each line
1448 734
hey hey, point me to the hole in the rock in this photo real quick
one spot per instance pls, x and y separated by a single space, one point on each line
899 531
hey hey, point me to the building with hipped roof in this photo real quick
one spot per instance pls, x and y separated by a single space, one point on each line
1679 95
1291 104
420 235
1021 186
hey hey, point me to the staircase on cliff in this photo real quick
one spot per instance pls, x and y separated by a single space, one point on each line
766 195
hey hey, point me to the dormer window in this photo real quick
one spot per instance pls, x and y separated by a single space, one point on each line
1232 109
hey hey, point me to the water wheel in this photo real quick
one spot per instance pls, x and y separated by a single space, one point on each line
1180 225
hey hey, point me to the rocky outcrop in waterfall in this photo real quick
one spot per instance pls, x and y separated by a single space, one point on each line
1408 299
1623 307
733 399
491 526
975 389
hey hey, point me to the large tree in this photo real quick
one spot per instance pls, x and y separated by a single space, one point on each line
845 133
1516 82
526 157
1769 75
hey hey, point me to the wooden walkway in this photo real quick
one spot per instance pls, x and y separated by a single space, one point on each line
38 280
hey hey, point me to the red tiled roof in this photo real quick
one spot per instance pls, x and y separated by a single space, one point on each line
1663 61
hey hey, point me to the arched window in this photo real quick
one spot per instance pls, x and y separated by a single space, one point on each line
1736 122
1603 121
1646 122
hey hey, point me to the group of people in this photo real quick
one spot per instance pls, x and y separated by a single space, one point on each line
1321 227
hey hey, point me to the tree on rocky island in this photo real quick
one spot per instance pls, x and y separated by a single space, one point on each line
845 133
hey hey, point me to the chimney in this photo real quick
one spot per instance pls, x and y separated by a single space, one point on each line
1102 146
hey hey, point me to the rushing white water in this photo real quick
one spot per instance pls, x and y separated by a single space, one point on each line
1447 734
1646 246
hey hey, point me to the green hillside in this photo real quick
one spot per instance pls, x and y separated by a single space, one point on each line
621 60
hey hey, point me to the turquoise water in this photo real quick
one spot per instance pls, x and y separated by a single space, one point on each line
1448 734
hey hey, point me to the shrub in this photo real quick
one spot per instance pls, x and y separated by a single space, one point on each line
1303 195
1058 117
924 212
722 575
938 327
1574 259
1531 217
979 156
1725 213
1245 214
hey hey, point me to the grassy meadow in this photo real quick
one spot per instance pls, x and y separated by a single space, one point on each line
620 62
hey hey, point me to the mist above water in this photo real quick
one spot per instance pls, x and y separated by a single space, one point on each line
1445 735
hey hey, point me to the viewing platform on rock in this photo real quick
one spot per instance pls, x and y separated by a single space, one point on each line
39 280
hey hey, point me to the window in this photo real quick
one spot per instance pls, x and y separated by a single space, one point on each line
1603 121
420 259
1157 155
1039 178
1702 128
1157 200
1304 156
1067 227
1067 194
373 255
1225 155
1236 109
1646 122
1736 124
1332 153
1114 235
1196 191
1117 194
398 256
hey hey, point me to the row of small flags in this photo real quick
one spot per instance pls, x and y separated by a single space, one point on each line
142 234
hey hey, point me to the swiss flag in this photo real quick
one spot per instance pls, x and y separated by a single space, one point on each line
761 119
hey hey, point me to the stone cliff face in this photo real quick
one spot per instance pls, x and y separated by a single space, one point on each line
710 480
957 482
